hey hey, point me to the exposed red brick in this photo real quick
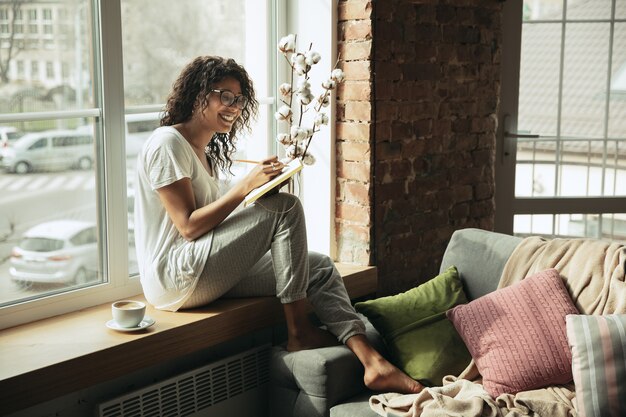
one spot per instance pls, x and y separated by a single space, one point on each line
359 171
352 212
422 94
355 30
353 131
354 90
357 193
357 70
360 111
355 50
354 151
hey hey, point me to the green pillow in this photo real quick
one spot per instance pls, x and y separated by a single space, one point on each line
421 339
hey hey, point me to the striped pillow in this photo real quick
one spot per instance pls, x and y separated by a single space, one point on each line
598 345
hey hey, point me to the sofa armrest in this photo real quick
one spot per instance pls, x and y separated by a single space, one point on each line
309 382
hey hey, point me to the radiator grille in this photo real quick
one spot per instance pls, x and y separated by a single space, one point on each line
193 392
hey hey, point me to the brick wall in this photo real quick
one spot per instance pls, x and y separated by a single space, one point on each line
415 131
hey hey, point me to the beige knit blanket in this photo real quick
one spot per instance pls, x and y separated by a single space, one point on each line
593 272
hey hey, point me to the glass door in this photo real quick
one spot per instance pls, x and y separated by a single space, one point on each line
561 162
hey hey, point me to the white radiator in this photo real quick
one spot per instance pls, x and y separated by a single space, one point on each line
234 386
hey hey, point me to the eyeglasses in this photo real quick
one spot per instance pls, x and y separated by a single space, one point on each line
228 98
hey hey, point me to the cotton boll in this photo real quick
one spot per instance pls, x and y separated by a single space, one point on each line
329 84
320 119
305 100
284 139
308 159
312 57
324 100
283 113
297 133
287 43
337 75
301 69
285 89
298 59
290 152
304 86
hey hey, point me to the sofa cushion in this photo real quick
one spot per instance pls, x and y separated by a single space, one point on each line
479 256
358 406
516 334
598 345
421 340
308 382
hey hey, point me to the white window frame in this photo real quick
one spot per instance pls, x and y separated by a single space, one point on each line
508 205
109 123
313 21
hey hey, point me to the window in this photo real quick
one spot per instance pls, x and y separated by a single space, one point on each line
66 160
34 70
49 70
564 135
150 69
80 181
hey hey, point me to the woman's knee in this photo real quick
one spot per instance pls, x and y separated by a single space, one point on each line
284 201
319 260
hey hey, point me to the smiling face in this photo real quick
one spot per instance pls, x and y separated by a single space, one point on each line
217 117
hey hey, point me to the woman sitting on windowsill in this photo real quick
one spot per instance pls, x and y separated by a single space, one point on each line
192 248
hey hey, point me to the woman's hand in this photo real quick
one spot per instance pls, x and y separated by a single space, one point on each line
263 172
193 222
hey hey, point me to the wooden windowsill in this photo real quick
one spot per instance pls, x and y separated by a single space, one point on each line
53 357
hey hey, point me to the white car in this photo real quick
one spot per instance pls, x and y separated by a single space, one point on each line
60 251
49 150
9 134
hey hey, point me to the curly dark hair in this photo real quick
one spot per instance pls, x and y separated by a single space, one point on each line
192 88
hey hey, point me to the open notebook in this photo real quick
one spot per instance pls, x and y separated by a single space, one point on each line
288 171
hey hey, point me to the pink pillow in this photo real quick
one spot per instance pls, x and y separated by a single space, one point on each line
517 335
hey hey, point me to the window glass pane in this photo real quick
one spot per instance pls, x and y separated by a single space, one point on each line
535 224
70 45
617 111
542 10
607 226
48 212
620 10
539 78
46 160
588 9
161 36
584 79
535 180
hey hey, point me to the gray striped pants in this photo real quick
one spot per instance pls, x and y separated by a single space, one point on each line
261 251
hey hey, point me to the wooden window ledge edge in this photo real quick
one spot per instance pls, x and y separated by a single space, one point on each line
56 356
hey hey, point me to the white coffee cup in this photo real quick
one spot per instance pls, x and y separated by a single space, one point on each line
128 313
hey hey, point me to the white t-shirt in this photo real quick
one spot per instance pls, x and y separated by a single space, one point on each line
169 265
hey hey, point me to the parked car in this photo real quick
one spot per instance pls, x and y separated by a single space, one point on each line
139 127
49 150
9 134
60 251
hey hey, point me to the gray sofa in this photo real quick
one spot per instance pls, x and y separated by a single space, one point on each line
329 381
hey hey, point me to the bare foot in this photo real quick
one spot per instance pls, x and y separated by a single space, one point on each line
382 376
310 338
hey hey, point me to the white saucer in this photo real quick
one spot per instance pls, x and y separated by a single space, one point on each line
145 323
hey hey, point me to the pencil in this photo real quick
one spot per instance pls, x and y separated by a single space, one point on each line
247 161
